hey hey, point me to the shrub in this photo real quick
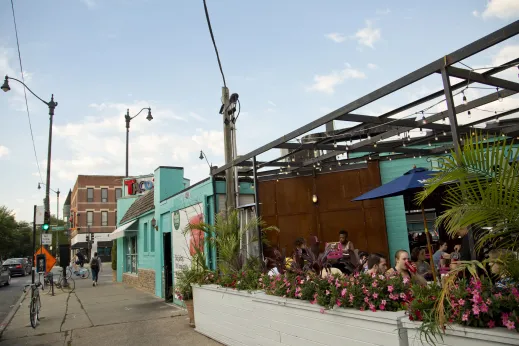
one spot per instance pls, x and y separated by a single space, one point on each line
114 255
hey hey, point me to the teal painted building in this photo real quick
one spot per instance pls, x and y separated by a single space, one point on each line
150 243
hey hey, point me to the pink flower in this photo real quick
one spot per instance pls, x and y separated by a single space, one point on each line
382 307
406 281
465 316
489 302
313 301
504 318
491 324
381 277
515 292
327 292
338 302
461 302
372 307
366 299
302 282
351 298
475 310
375 295
402 295
374 284
343 292
260 279
321 311
390 288
510 324
484 308
393 296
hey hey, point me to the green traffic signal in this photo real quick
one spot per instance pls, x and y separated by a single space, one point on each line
45 227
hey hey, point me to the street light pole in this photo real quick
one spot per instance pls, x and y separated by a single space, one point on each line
127 119
52 105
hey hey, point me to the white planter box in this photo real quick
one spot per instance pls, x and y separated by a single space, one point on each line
456 335
239 318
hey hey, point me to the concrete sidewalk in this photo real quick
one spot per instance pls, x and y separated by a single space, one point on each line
109 314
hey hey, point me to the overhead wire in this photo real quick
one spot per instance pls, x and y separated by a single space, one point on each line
214 42
25 92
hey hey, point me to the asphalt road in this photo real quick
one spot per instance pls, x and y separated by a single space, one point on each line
9 294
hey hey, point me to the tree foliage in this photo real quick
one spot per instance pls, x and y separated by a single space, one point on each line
15 237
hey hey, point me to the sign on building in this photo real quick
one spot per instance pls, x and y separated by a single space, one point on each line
138 186
46 239
40 213
184 247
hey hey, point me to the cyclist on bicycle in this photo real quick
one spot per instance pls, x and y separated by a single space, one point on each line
80 259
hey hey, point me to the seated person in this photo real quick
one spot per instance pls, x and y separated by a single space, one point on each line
377 264
363 261
444 266
422 267
440 253
405 268
331 271
299 251
500 277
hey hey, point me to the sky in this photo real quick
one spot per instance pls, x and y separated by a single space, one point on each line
290 61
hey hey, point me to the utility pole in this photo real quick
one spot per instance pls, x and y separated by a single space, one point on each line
230 193
57 223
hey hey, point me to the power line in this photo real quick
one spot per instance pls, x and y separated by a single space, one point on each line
25 92
214 43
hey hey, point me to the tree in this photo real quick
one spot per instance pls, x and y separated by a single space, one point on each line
7 227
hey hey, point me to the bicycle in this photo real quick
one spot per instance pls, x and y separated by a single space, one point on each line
35 304
83 273
67 285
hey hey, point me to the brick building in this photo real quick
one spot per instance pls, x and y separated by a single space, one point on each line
93 209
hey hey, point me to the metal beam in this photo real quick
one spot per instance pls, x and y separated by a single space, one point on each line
460 54
479 78
451 110
432 96
438 116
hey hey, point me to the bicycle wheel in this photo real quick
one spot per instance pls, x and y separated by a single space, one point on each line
33 312
68 273
38 307
85 274
67 285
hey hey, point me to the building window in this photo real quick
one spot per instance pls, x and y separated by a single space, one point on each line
118 193
152 240
145 237
90 195
131 254
90 218
104 195
104 251
104 218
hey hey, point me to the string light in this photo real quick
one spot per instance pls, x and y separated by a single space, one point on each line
339 163
414 156
446 152
499 95
330 168
443 121
318 163
421 131
464 98
435 137
405 145
468 113
288 165
390 158
369 136
297 173
334 144
424 121
420 156
375 144
444 133
430 144
369 157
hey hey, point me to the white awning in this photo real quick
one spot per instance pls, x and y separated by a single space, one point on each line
121 231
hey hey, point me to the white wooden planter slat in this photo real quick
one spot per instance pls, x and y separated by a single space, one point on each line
240 318
260 319
463 336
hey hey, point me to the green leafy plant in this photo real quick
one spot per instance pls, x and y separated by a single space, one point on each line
226 235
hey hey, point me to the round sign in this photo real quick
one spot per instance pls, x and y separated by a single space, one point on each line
176 219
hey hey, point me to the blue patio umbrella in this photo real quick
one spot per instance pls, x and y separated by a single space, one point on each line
411 180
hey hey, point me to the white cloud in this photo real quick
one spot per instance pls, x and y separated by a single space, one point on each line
383 11
372 66
336 37
327 83
502 9
89 3
368 36
4 151
475 13
271 103
196 116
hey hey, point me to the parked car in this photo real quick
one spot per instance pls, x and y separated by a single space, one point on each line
18 266
5 276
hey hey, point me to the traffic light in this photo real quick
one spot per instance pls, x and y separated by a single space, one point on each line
92 237
46 221
88 238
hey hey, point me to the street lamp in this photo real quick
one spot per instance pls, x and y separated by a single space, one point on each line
52 105
127 118
204 156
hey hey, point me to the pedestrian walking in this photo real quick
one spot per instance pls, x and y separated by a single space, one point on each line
95 267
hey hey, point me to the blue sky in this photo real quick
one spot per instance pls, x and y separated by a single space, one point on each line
290 61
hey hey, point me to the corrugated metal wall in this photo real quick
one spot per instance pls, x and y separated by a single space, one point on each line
287 203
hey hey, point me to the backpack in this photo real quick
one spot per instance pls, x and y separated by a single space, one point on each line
95 263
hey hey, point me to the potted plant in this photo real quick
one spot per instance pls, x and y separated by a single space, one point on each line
184 281
114 261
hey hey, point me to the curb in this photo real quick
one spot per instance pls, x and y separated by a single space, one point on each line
11 314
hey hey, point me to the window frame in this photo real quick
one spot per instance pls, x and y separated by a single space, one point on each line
104 220
145 247
90 199
90 223
104 191
118 189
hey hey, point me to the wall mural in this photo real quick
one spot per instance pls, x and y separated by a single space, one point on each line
184 247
